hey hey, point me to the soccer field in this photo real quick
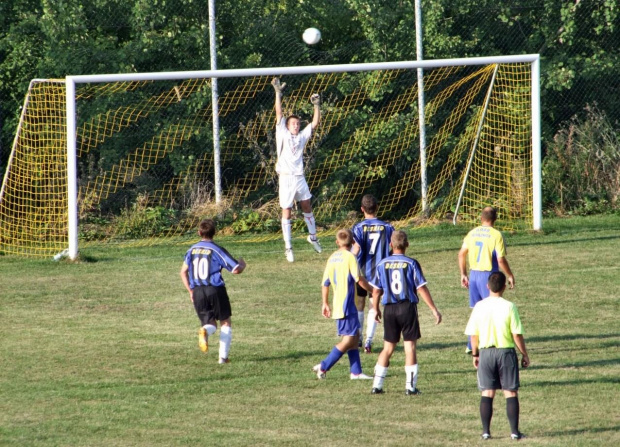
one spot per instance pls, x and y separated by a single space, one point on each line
104 352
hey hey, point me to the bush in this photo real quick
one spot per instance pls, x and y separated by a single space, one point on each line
581 172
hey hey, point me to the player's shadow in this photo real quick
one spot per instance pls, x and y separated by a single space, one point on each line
582 431
563 383
565 337
293 355
607 362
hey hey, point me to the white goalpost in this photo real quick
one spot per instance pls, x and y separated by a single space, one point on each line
72 81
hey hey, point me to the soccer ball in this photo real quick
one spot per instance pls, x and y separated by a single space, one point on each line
311 36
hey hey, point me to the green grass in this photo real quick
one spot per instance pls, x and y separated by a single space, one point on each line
104 352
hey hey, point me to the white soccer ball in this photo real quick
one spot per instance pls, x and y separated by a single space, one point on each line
312 36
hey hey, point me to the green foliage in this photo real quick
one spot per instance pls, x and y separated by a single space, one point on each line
578 42
141 220
581 173
250 221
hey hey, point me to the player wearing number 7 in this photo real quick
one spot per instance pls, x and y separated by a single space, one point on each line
483 248
201 274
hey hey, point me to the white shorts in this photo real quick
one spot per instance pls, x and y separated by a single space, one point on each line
292 188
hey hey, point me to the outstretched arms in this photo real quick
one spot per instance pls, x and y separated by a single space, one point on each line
315 99
279 88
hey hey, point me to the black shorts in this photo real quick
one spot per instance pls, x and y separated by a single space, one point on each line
401 318
211 303
498 369
361 292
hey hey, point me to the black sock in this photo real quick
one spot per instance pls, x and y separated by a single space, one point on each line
486 413
512 411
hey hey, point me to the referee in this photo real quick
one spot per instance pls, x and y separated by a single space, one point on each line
495 328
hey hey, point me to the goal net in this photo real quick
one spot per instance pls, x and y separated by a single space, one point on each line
145 167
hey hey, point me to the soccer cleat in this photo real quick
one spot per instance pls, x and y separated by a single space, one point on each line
485 436
360 376
315 244
289 255
517 436
320 374
413 392
368 348
224 361
467 351
377 391
203 340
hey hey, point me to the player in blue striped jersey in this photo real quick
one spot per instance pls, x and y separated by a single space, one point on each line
201 274
372 244
398 284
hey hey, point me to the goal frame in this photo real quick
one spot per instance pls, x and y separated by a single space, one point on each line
72 81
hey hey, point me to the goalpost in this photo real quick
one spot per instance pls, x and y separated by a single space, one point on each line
355 97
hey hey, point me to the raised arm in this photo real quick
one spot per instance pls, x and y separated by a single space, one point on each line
316 102
279 88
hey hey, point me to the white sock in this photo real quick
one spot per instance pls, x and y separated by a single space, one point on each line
360 316
380 373
286 232
411 371
371 325
225 340
210 329
309 218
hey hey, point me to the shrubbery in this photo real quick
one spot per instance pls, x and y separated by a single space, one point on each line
581 172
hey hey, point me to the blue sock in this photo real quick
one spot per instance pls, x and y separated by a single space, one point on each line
331 359
354 361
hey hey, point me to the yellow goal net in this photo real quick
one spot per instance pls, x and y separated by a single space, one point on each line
145 158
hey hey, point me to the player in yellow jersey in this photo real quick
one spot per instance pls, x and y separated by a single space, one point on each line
485 252
342 274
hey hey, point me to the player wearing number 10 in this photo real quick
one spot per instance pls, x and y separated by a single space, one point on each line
483 248
201 274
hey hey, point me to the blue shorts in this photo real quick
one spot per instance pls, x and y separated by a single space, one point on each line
478 289
349 325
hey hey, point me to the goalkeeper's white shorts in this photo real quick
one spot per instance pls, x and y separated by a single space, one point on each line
292 188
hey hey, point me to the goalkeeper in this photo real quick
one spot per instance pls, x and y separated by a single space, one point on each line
290 142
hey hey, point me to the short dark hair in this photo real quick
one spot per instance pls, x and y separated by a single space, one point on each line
489 214
345 237
399 240
297 117
206 229
369 204
497 282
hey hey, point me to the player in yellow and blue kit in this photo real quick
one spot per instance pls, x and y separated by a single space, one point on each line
342 274
483 248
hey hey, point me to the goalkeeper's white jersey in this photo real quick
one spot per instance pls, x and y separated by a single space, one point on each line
291 149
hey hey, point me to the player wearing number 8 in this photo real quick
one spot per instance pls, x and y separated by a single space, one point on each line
400 280
201 274
483 248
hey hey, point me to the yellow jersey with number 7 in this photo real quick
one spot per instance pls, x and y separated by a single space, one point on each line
485 245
